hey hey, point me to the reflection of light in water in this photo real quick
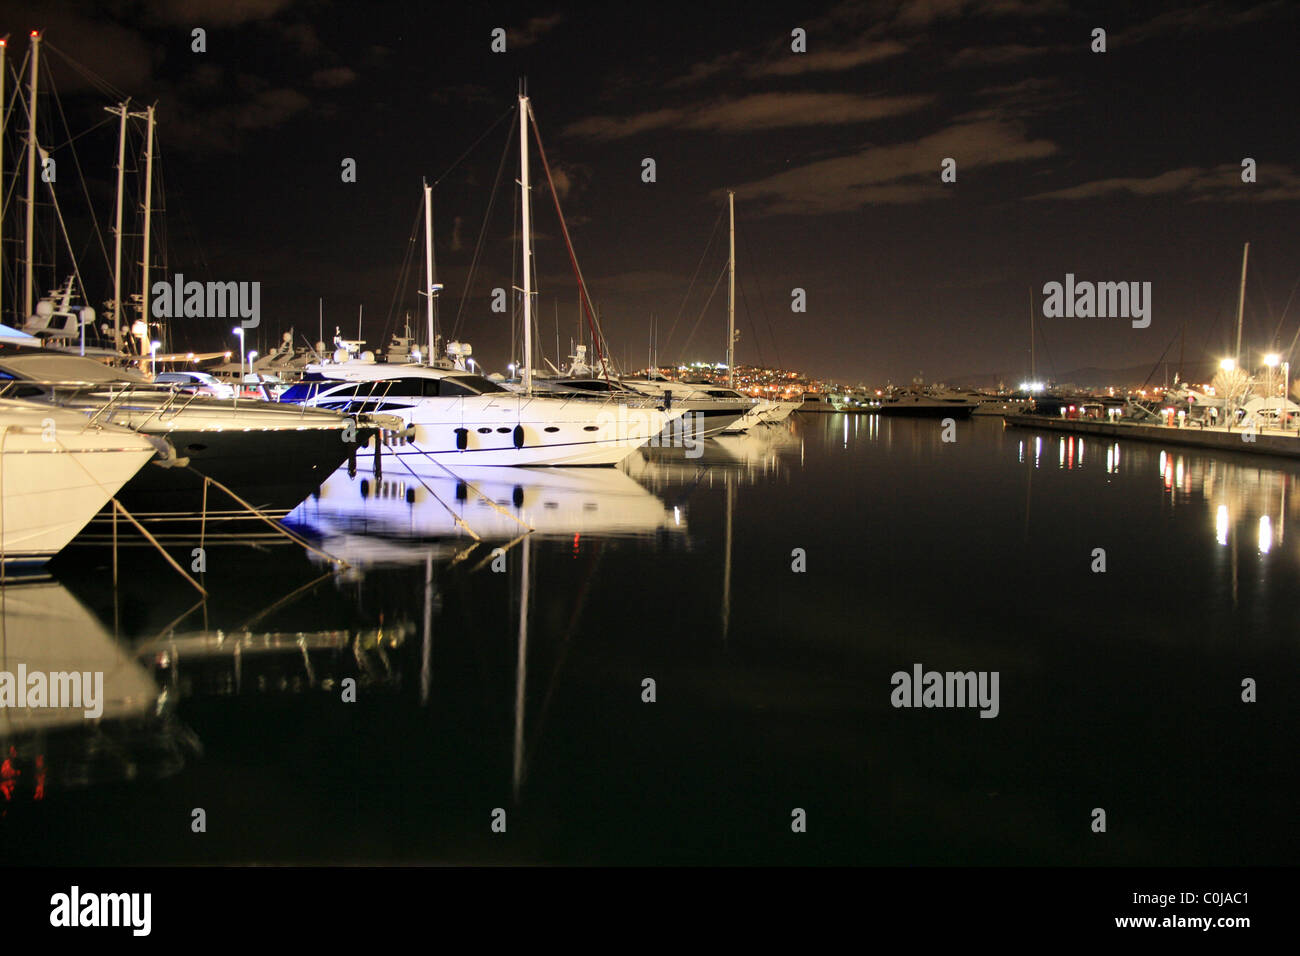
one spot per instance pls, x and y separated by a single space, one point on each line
1110 460
1116 456
1178 472
1164 462
1080 452
1265 534
1061 457
1221 525
677 515
1021 453
1071 462
1038 450
846 431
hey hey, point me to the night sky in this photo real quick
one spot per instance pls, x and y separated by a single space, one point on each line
1115 166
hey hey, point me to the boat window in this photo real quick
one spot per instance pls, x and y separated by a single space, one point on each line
409 387
468 385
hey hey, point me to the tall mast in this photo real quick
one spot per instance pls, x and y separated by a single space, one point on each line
1033 376
148 225
30 246
528 245
731 295
1241 303
428 264
117 228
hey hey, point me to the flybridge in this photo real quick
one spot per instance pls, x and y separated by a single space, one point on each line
1102 300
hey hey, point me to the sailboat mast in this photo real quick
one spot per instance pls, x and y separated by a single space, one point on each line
148 232
428 264
1241 303
1033 375
731 295
117 226
527 244
30 246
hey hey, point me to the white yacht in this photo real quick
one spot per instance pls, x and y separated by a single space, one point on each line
458 417
57 470
718 408
915 403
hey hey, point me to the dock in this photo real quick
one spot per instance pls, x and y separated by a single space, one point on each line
1264 441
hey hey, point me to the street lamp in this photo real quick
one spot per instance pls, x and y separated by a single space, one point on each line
239 330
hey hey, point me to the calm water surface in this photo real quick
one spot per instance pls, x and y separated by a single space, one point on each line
1119 690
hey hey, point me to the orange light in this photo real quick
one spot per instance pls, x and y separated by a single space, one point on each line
35 33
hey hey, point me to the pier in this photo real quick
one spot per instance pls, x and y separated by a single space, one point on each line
1262 441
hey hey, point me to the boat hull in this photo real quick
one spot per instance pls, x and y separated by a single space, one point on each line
58 471
515 431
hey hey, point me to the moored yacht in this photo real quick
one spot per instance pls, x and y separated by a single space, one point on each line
458 417
919 404
57 469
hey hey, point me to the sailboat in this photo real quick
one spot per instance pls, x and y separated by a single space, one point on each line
454 416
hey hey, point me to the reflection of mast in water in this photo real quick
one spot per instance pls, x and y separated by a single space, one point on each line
726 563
521 668
426 674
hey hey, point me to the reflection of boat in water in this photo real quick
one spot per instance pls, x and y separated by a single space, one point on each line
760 451
365 519
48 631
221 663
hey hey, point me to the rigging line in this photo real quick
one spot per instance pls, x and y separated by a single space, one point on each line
90 129
1043 338
404 272
482 233
668 340
1282 318
101 84
76 162
1155 368
584 296
452 167
717 282
58 212
1290 353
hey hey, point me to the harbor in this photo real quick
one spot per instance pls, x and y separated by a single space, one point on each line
626 440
